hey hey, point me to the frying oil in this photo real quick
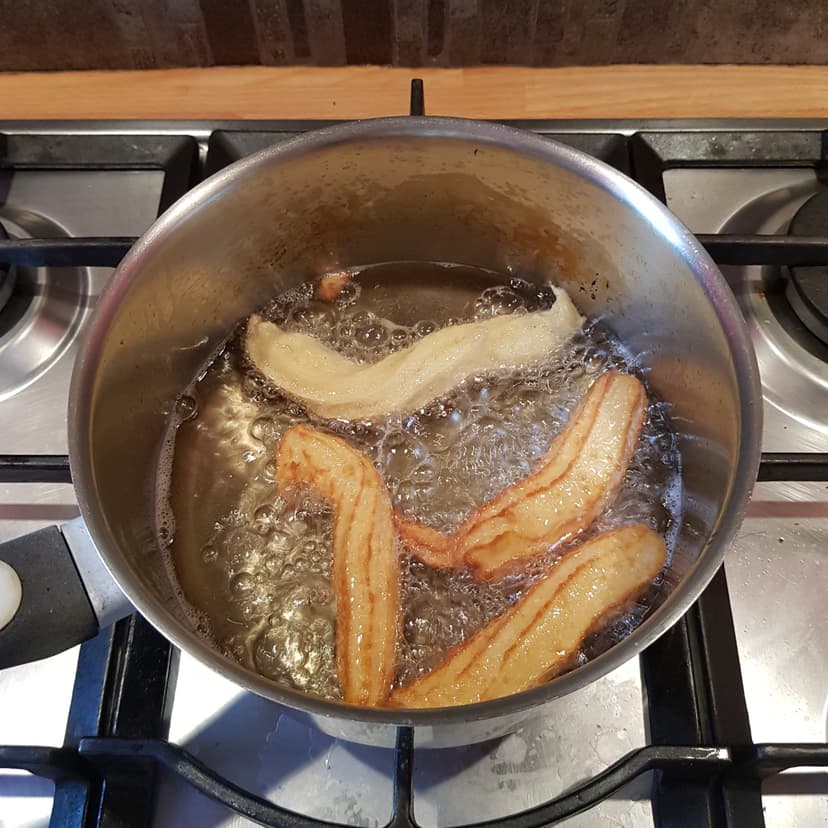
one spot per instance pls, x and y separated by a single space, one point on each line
255 568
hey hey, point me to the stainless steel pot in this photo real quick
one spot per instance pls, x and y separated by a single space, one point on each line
393 189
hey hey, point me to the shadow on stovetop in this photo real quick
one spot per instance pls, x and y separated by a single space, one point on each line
257 745
266 750
261 747
810 783
56 512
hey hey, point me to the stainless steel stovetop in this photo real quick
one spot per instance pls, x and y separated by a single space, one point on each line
109 180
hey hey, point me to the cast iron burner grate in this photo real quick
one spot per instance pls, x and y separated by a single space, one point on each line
707 771
807 287
6 276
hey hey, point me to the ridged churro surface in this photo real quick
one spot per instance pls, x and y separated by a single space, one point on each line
365 563
537 637
575 481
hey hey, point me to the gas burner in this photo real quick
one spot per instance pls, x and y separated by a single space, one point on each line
793 361
807 288
40 309
6 274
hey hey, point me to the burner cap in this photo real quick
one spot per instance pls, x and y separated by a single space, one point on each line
807 289
6 280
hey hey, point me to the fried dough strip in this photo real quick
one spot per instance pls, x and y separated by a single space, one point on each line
365 561
329 385
576 480
536 638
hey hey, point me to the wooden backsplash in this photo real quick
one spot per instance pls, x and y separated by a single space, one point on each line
145 34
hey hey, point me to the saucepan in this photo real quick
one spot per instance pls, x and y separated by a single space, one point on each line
397 189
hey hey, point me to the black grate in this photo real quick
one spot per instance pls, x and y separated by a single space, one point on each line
707 770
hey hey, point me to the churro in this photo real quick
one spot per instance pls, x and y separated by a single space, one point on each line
365 560
577 479
331 386
537 638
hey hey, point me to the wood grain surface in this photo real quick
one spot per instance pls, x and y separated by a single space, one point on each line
357 92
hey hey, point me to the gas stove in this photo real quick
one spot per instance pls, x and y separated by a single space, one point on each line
721 722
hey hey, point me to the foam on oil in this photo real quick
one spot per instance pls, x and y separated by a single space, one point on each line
255 569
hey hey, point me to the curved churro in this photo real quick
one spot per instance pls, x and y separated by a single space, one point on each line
330 385
535 639
576 480
365 561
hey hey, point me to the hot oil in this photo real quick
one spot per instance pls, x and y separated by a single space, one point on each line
257 568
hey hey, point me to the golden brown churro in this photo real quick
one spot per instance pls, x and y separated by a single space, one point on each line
536 639
365 560
577 479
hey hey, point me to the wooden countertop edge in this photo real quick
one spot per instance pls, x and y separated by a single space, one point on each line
364 91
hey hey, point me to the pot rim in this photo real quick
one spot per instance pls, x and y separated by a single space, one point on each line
625 190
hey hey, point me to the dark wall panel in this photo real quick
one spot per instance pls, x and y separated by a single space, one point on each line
144 34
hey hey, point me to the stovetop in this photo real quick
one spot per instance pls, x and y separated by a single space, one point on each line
692 733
